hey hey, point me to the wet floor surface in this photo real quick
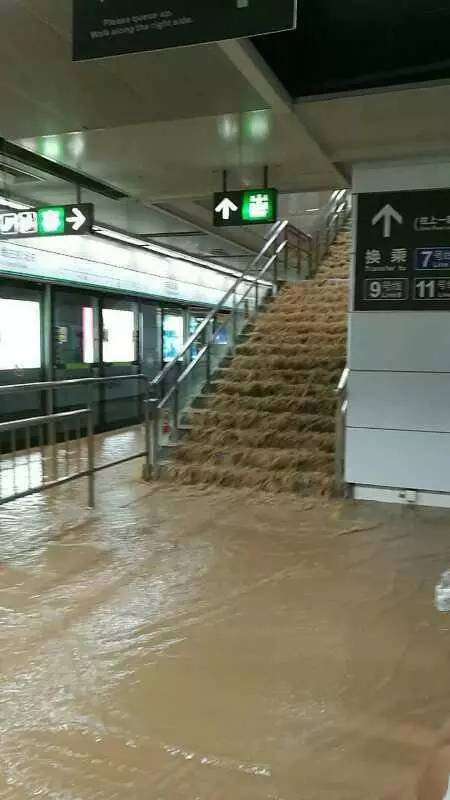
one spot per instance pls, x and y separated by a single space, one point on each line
185 645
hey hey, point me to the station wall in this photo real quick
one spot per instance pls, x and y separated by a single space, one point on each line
398 424
92 262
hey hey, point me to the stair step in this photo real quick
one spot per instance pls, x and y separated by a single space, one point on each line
247 438
320 405
261 458
307 483
251 388
265 363
297 377
288 347
284 421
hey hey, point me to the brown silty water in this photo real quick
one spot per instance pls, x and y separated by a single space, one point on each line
270 421
183 644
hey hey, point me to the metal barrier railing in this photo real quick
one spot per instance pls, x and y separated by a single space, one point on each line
32 469
56 448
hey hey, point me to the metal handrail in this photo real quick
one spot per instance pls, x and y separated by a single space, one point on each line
21 424
340 428
274 233
43 386
204 351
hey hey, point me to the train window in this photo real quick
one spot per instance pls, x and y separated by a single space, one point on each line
119 345
173 335
20 334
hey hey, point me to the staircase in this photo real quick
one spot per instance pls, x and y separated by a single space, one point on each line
268 419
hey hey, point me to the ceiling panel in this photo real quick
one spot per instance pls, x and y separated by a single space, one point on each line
47 93
185 158
382 124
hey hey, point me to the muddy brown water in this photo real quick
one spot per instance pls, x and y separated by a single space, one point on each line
185 645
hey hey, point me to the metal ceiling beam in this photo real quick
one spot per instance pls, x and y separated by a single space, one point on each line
78 179
245 57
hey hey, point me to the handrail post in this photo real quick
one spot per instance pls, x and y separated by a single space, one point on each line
154 458
91 458
176 410
234 321
340 433
49 407
209 342
275 271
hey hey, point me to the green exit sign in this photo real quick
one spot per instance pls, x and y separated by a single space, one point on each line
248 207
51 221
69 220
259 205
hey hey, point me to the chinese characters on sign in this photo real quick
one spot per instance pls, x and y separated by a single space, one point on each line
403 251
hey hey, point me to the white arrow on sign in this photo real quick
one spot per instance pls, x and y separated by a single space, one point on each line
78 219
387 214
225 207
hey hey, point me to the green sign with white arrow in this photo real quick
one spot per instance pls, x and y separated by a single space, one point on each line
71 220
247 207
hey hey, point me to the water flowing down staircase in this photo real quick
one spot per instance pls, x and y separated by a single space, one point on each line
267 419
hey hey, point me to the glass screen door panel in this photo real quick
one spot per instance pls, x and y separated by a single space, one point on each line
75 347
21 357
120 339
20 334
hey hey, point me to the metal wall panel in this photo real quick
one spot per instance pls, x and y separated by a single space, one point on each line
398 459
399 400
416 341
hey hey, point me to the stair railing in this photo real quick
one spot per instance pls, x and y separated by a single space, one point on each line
287 255
333 218
341 424
183 378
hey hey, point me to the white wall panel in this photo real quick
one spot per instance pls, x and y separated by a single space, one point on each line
402 400
405 341
404 175
398 459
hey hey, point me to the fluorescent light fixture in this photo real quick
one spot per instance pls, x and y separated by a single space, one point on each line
311 210
15 204
341 207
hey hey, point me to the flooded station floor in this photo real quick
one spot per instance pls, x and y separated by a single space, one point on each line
178 644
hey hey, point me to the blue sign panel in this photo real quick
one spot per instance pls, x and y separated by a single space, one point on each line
433 258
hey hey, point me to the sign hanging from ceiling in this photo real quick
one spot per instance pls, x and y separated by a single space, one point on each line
248 207
103 28
73 220
403 251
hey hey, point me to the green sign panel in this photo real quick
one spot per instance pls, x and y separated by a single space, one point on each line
47 221
248 207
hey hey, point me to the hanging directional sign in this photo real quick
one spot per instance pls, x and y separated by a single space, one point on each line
403 251
114 27
248 207
47 221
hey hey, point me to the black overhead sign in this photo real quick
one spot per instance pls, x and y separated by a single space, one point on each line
403 251
71 220
246 207
104 28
